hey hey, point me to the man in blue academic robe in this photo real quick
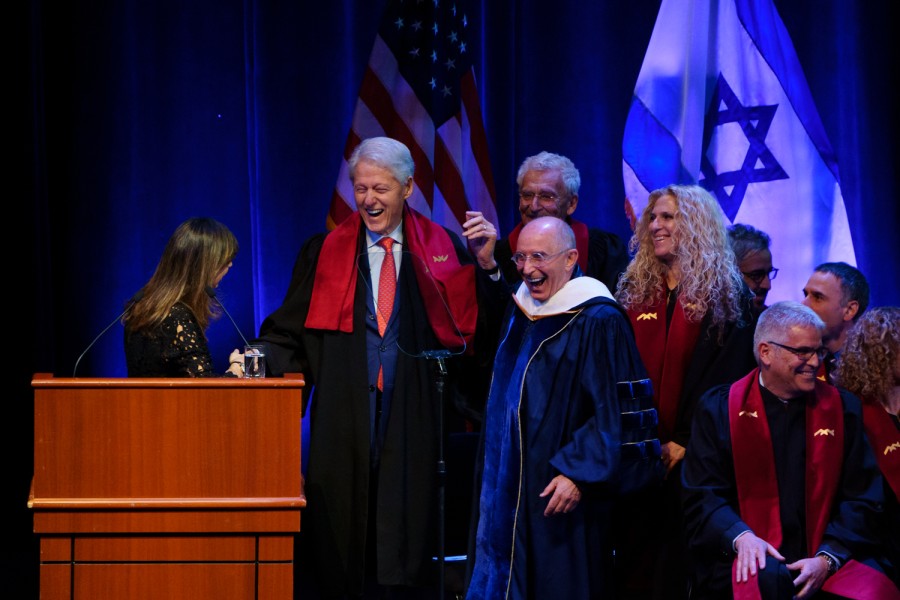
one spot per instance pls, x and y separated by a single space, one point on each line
569 426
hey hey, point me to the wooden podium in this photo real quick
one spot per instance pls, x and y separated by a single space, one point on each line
152 489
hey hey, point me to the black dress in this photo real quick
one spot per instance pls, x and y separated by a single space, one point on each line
177 348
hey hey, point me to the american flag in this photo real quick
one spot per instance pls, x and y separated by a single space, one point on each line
419 88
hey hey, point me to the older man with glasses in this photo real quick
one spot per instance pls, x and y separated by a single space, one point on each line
569 427
781 489
548 187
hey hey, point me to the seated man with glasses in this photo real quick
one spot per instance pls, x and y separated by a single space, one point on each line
781 489
754 260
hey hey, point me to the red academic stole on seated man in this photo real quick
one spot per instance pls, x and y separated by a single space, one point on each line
885 441
757 486
666 356
443 282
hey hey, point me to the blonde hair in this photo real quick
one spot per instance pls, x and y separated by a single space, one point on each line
709 281
867 360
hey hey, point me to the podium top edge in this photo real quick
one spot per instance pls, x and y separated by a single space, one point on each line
47 380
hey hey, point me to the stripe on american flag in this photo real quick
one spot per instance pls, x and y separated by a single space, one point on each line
453 172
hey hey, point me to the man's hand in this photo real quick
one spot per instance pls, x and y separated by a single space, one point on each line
482 237
813 573
671 455
751 555
565 496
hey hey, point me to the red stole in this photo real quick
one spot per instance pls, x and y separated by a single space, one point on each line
757 486
666 357
441 279
885 441
581 240
821 374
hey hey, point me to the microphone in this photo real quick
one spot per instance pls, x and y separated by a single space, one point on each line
134 300
211 292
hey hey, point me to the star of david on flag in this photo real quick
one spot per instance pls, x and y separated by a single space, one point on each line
721 100
419 88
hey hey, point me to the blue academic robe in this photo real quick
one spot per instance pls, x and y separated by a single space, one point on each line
555 408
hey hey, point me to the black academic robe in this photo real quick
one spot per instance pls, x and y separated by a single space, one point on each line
712 515
714 363
338 477
555 408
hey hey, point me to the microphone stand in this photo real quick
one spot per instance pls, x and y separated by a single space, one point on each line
439 356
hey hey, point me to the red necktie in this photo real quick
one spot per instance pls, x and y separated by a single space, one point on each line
387 288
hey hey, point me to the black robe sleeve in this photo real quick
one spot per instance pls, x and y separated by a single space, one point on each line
282 331
715 362
607 257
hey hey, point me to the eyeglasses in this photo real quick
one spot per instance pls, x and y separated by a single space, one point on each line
758 275
543 197
804 353
538 259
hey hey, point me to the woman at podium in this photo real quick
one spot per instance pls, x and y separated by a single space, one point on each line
166 323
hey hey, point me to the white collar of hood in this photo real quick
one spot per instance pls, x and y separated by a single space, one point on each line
575 292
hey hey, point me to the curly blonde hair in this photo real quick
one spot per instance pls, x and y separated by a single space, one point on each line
868 358
709 278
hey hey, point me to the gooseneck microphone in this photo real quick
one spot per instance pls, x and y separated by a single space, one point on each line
211 292
134 300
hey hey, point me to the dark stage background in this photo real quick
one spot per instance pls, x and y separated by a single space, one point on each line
129 117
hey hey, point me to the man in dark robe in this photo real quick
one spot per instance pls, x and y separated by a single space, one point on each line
376 416
548 187
781 490
569 426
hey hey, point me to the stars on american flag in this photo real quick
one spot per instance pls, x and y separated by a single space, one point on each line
419 87
431 61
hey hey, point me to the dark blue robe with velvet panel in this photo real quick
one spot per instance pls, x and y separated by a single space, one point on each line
554 409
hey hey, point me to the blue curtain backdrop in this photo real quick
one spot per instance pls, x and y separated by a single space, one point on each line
132 116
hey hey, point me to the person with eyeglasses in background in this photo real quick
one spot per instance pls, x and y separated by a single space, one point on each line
839 294
754 260
693 321
782 494
548 187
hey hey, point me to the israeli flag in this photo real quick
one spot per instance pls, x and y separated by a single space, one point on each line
721 101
